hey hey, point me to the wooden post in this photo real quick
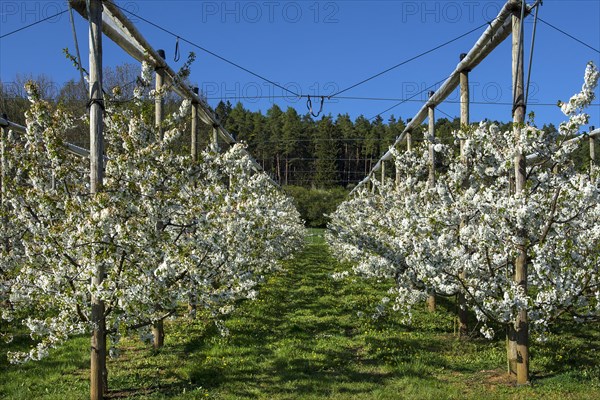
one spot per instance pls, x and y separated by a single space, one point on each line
158 328
98 340
159 99
3 139
520 336
397 177
408 137
464 102
194 145
382 172
463 327
431 182
192 306
592 142
215 137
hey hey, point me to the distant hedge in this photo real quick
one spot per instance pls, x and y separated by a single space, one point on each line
315 204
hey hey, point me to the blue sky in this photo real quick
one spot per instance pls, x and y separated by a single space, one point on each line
320 47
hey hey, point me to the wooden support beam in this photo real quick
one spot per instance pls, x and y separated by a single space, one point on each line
431 138
3 139
158 327
98 376
518 351
592 142
215 138
431 302
159 98
194 141
464 102
462 314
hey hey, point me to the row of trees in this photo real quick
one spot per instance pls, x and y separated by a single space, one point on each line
459 234
165 229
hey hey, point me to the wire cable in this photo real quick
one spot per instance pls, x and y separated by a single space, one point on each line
535 20
79 64
212 53
405 100
409 60
445 113
33 24
571 36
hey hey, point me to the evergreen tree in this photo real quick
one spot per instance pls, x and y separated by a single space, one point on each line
326 153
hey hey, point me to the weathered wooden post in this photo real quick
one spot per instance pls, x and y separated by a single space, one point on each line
158 327
519 331
98 341
592 141
3 139
382 172
431 181
192 306
409 137
463 329
194 145
159 98
215 137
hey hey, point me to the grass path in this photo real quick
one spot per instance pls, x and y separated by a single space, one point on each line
303 338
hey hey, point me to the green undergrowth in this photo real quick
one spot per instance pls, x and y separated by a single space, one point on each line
308 336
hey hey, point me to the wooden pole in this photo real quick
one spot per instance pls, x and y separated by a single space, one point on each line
98 341
382 173
464 103
463 327
521 325
215 138
194 145
159 99
3 139
192 306
431 303
158 328
409 137
592 141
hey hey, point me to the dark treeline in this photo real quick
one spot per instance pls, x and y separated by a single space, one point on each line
295 149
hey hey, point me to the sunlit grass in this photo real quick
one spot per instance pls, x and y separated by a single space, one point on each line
310 337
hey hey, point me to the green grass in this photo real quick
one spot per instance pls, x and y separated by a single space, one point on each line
303 339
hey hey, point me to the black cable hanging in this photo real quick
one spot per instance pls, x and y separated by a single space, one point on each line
310 108
177 55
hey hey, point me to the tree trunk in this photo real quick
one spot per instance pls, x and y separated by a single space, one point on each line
158 334
463 327
431 302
